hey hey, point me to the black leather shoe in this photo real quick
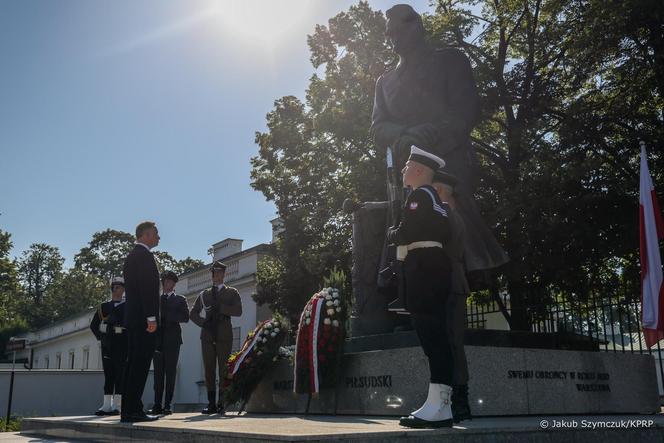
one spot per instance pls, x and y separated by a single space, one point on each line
220 410
167 410
101 413
114 412
211 409
137 418
156 410
418 423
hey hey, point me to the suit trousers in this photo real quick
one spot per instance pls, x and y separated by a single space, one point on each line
456 327
215 355
114 358
139 356
165 366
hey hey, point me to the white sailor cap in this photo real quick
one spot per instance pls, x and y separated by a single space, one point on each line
426 158
117 281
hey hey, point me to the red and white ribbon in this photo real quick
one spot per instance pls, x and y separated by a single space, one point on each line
245 352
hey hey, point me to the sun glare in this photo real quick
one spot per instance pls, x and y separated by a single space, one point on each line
262 22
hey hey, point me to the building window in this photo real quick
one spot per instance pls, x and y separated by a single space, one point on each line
71 359
236 339
46 362
58 361
86 358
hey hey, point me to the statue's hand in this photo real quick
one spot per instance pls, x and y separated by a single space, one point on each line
402 150
427 134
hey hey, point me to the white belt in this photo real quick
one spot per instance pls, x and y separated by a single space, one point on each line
402 250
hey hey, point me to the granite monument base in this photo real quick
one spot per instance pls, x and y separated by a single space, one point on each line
503 381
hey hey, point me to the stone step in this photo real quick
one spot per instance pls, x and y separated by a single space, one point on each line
186 427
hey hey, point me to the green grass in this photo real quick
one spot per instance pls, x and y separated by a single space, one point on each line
14 424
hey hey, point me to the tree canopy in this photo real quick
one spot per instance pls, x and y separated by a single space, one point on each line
568 88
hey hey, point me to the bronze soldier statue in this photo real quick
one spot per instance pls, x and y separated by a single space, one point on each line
430 100
220 303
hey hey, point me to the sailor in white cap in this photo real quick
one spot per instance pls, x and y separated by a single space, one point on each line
107 325
421 238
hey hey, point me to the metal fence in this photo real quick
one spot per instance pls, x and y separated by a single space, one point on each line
614 323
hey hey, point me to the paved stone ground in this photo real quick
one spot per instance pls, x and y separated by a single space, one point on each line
258 427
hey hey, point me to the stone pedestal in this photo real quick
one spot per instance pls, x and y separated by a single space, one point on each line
370 314
503 381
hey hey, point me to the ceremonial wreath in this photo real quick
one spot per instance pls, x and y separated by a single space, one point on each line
246 368
319 343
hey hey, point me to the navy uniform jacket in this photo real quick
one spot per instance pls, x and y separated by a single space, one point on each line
174 310
141 288
427 270
110 314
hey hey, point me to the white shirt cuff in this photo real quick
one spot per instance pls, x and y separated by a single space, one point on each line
153 318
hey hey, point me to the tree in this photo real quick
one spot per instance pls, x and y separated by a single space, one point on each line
568 87
318 153
9 285
104 255
551 91
38 268
74 292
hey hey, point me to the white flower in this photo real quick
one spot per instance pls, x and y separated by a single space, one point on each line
329 290
276 324
339 309
259 353
330 311
337 302
274 334
335 295
329 303
277 330
327 321
265 340
268 325
328 297
274 358
307 321
335 323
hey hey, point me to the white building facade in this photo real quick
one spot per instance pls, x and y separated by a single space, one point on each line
69 345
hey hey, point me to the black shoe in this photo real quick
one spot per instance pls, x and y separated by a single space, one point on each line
156 410
460 405
418 423
114 412
211 409
136 418
167 410
102 413
220 409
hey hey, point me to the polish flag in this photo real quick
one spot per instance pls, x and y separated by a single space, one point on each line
651 230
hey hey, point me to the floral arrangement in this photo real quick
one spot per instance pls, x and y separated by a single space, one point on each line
246 368
319 343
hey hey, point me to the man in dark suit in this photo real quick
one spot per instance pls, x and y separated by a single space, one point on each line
174 310
142 309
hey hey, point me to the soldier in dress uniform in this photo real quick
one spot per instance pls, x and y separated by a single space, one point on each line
220 303
424 231
173 311
108 326
456 302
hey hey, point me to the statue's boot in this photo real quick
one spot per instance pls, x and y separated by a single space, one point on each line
436 412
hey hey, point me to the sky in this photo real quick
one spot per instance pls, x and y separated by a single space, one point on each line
114 112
